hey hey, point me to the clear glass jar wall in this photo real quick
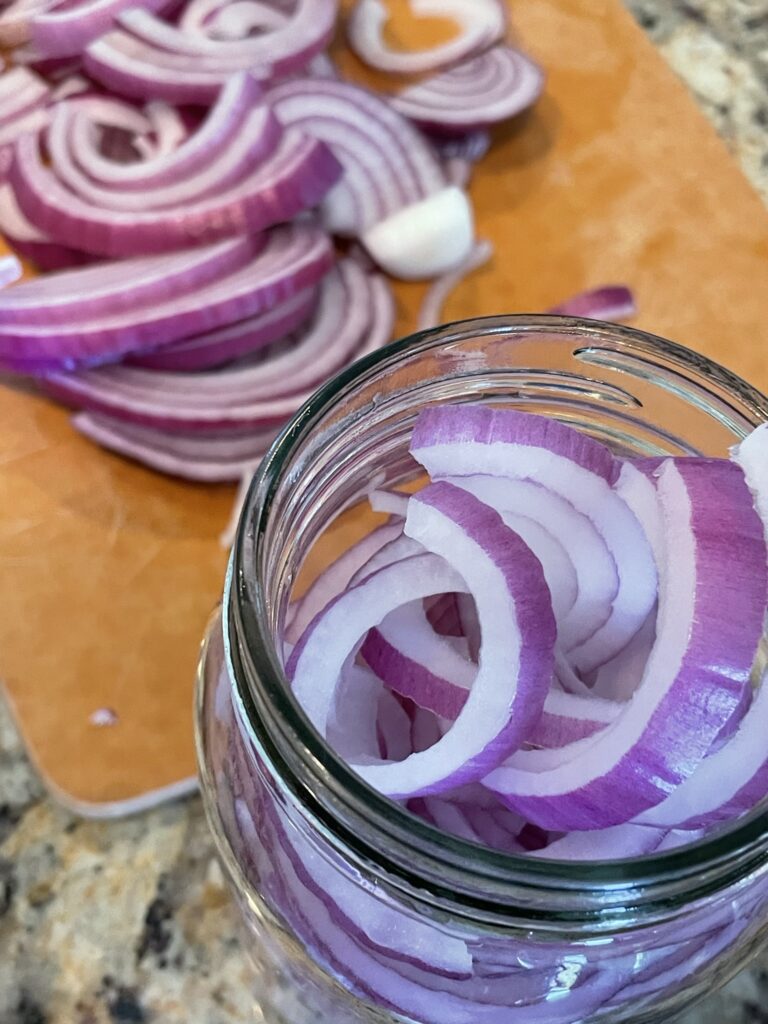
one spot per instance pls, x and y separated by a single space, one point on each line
358 911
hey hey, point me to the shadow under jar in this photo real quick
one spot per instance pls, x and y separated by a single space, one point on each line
357 910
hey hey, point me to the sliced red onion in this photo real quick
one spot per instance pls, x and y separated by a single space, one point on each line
413 660
336 578
482 23
258 139
131 67
491 87
393 503
594 569
218 131
65 30
250 395
31 244
397 550
611 302
290 44
70 86
604 844
727 783
352 728
205 459
393 726
169 128
733 778
695 677
455 441
431 311
225 344
292 259
387 163
507 696
297 175
120 287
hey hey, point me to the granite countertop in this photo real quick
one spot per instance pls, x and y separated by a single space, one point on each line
129 922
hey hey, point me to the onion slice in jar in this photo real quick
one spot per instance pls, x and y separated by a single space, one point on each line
413 660
596 577
712 594
336 578
481 23
518 643
464 440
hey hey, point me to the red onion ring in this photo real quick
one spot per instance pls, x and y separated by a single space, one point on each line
453 441
293 41
662 736
292 259
219 130
257 141
65 30
491 87
225 344
296 176
251 395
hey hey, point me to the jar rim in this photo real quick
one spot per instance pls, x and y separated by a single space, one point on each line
260 683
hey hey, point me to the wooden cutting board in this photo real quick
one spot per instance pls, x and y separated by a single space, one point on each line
108 572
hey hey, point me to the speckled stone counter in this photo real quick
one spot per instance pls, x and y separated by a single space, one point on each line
129 922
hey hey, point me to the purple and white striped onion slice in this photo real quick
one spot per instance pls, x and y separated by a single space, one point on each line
594 569
122 286
464 440
202 458
258 138
336 578
515 615
65 29
491 87
296 176
387 163
225 344
613 843
293 258
609 302
241 396
221 126
434 671
712 595
131 67
286 49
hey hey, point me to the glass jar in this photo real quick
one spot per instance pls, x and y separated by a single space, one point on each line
357 910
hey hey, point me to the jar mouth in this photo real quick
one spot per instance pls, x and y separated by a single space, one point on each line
331 791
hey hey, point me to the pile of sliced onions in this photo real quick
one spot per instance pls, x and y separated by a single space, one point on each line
571 633
189 317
